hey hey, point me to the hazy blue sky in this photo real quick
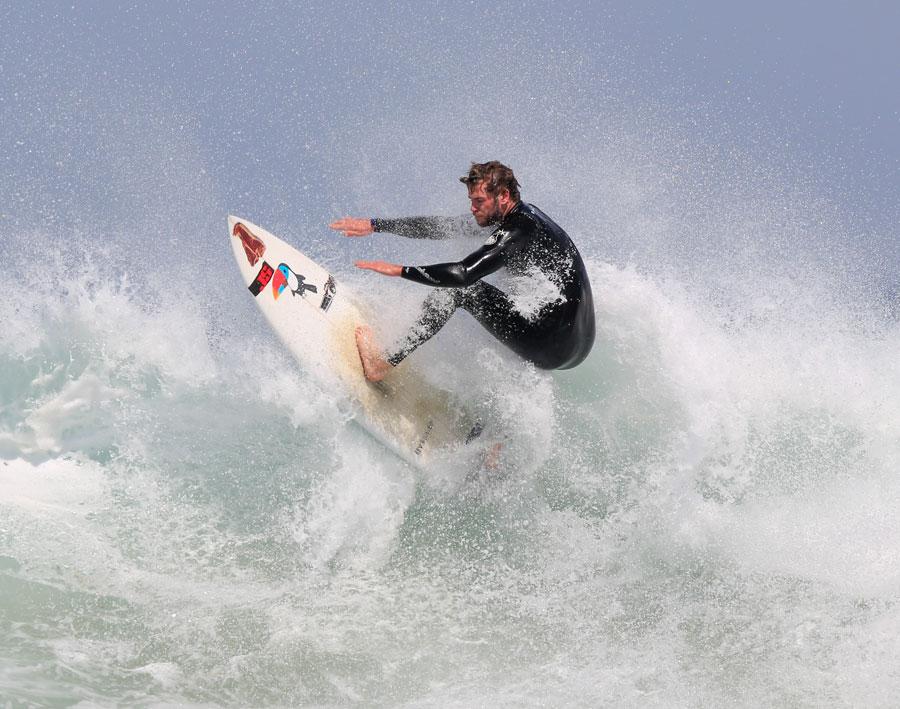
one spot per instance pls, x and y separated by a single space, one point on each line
118 111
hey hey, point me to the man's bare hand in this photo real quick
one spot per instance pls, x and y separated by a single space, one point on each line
353 226
383 267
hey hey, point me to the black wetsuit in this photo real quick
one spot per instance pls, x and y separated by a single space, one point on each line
554 331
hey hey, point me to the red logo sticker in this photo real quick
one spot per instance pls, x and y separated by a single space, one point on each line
253 247
262 279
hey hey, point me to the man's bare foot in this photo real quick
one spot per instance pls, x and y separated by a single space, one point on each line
375 367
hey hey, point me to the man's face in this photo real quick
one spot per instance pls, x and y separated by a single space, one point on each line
485 208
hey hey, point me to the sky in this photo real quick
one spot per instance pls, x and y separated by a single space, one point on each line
123 117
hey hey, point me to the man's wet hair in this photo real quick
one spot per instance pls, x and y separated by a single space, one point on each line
495 176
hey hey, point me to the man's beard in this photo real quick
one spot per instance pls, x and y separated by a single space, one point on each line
494 217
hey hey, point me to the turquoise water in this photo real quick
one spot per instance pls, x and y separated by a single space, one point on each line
704 513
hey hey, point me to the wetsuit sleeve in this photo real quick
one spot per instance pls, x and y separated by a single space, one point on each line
472 268
427 227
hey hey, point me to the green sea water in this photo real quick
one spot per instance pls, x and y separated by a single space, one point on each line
703 514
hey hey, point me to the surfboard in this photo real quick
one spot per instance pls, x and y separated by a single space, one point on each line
316 316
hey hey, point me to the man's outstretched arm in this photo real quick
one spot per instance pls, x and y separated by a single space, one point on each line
410 227
459 274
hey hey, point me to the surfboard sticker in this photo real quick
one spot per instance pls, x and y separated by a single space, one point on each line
253 247
262 279
330 289
287 278
428 429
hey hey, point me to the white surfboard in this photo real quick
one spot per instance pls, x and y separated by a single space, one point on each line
316 317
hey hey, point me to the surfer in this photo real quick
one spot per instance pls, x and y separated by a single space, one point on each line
548 316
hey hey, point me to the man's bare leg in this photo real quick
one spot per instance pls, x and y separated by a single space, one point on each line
374 365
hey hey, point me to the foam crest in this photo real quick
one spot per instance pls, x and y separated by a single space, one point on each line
775 442
355 510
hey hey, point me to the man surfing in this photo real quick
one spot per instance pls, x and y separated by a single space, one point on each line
548 321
